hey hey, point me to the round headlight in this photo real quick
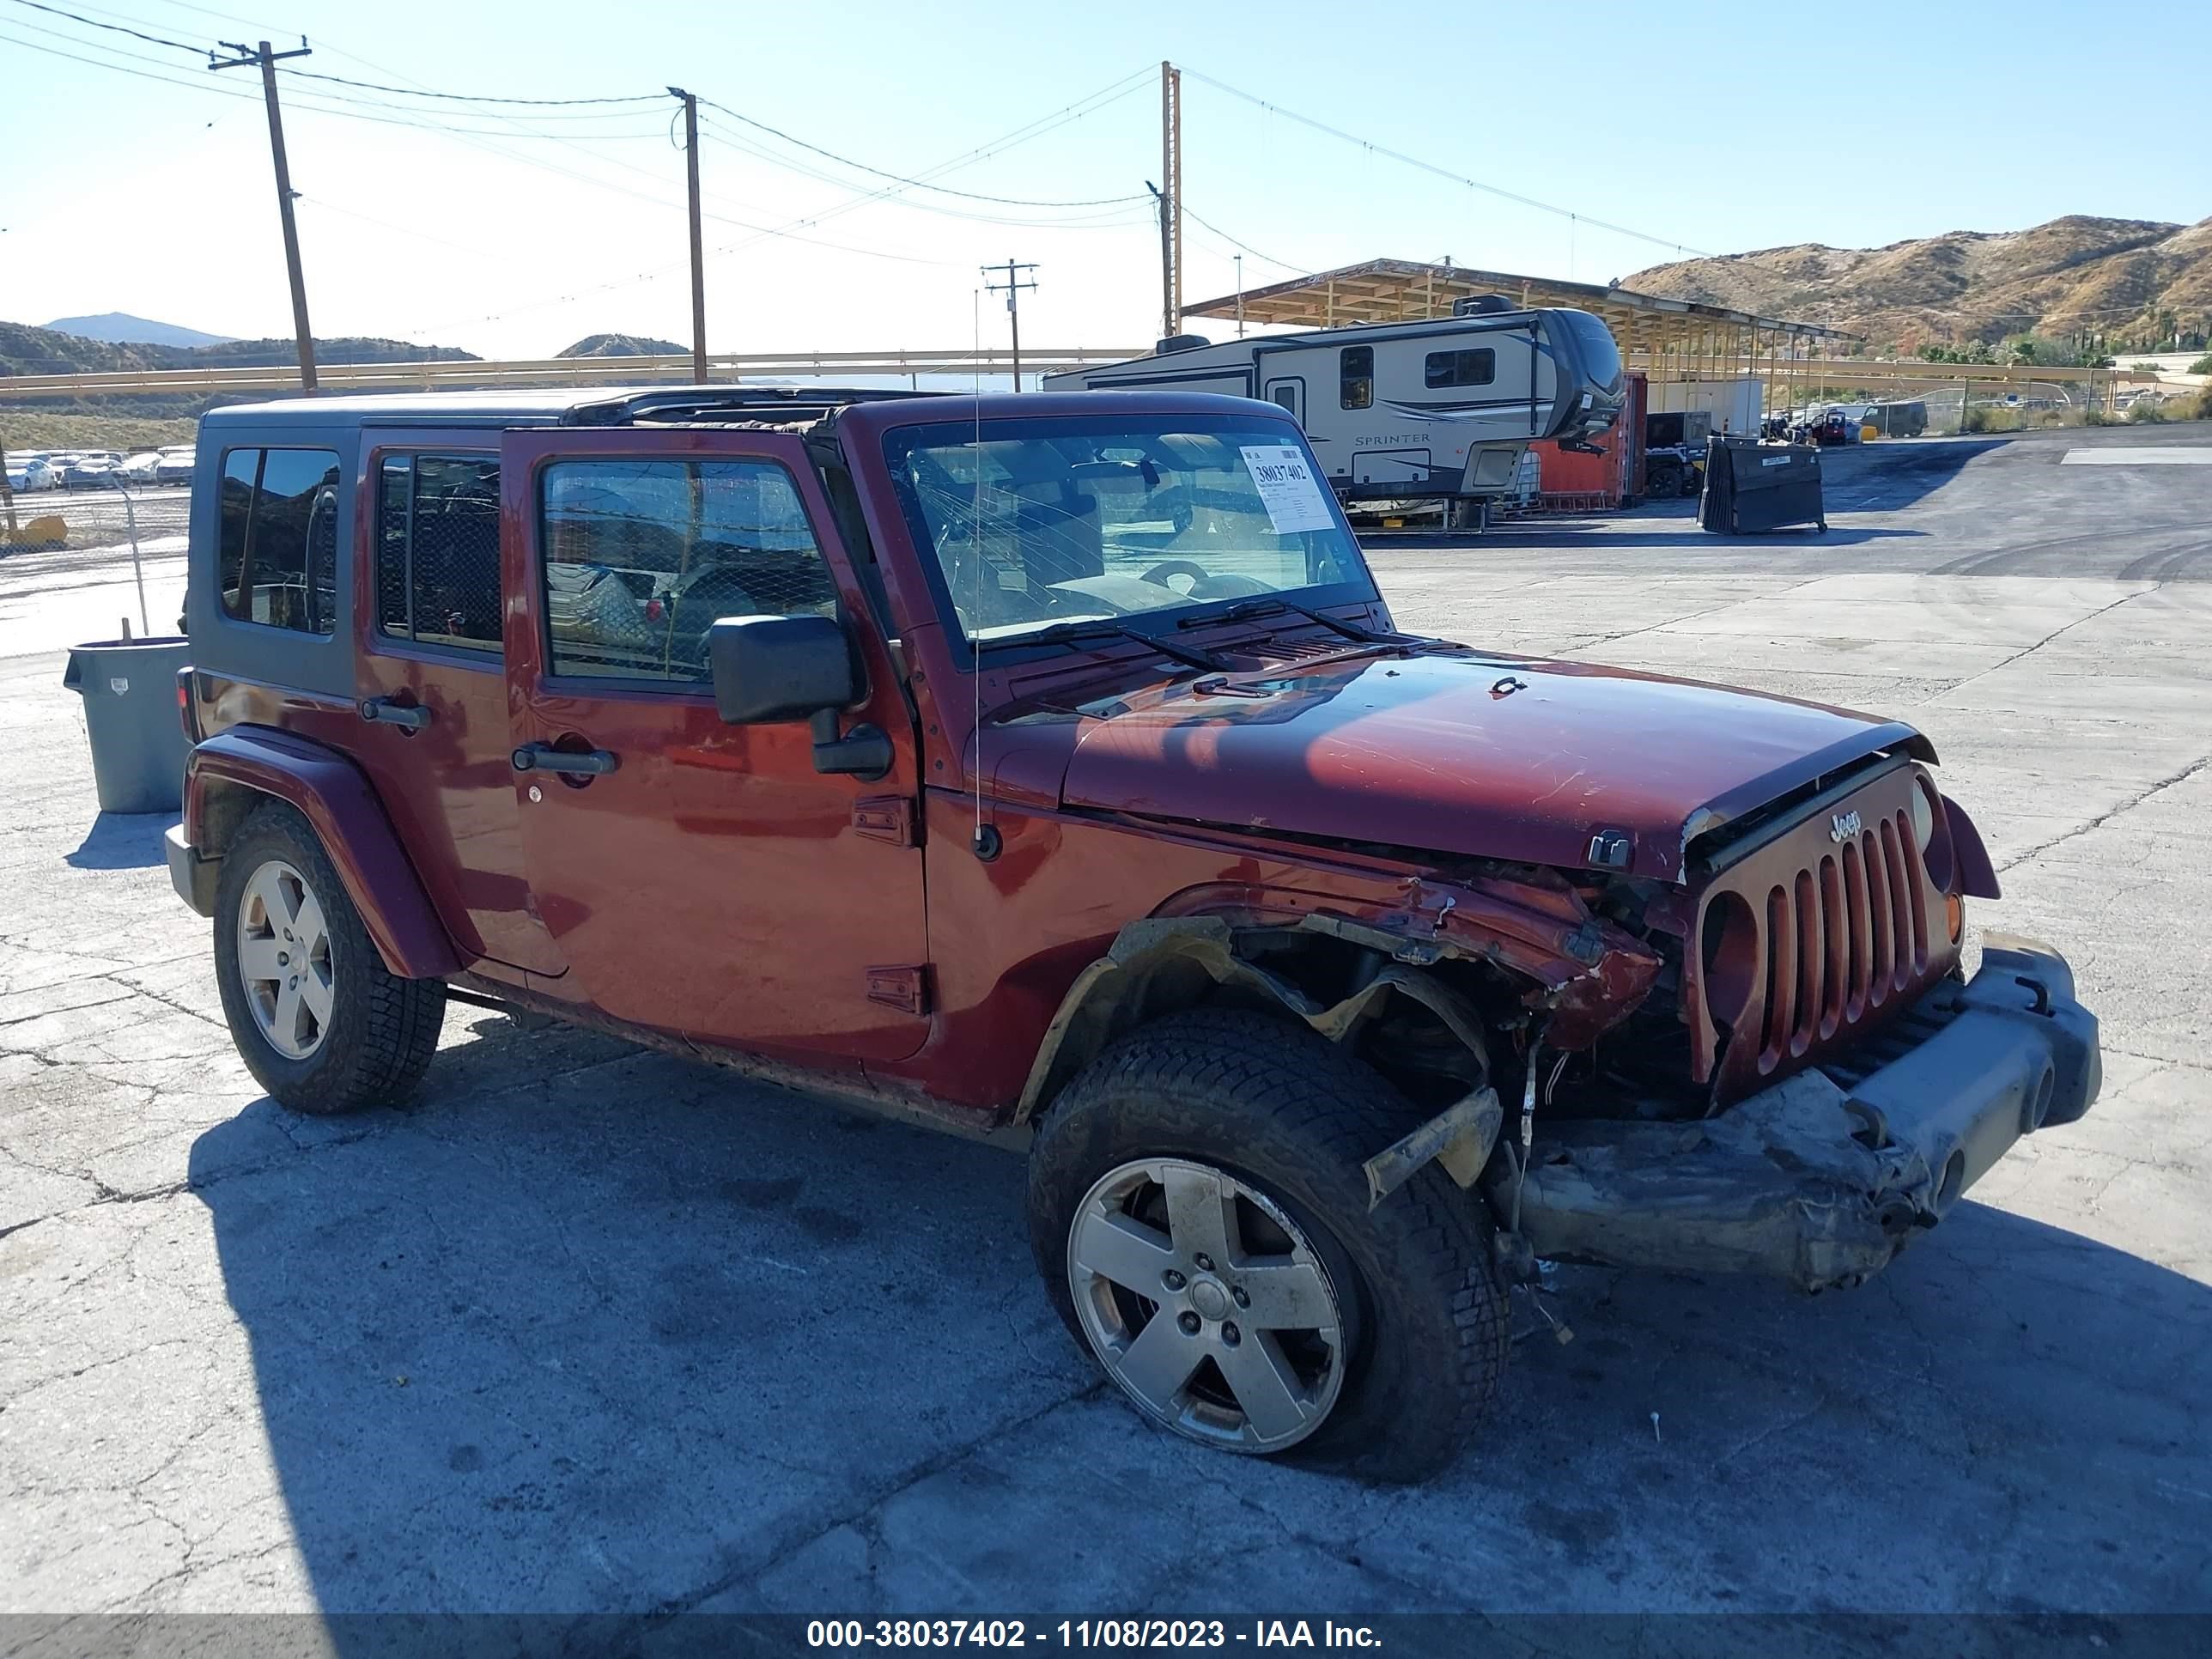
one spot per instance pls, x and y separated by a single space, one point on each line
1924 819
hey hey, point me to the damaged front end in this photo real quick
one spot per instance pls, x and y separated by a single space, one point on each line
1822 1179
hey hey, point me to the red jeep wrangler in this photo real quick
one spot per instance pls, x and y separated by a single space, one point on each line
1053 760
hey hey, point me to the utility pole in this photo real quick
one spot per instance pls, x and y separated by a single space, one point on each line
269 60
698 253
1240 296
1171 198
1012 287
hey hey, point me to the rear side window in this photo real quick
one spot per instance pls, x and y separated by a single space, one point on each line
1475 367
640 557
278 563
1356 377
437 551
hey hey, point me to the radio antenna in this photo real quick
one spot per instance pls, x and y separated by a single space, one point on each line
983 848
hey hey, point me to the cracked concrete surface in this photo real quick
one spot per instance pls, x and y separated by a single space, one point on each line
591 1329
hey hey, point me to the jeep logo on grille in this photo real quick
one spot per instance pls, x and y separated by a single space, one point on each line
1844 826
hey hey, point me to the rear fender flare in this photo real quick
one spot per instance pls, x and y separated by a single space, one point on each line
229 775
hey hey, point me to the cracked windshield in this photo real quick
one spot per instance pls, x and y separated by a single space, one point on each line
1068 522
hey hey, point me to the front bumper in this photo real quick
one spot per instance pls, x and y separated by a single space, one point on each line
1824 1178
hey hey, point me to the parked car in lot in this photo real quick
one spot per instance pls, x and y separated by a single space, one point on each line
1054 761
175 466
95 471
29 473
139 470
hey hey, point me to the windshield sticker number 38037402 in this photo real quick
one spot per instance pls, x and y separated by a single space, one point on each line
1294 498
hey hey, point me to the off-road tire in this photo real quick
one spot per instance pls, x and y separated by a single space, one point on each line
1270 1102
383 1029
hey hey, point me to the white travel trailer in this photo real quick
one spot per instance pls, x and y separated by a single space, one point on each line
1407 411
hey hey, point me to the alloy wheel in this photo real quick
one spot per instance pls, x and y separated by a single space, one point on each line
1208 1304
284 960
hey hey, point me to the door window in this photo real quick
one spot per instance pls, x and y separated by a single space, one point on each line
641 557
1356 377
278 563
437 551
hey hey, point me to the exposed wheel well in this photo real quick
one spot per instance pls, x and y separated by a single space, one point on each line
1420 1023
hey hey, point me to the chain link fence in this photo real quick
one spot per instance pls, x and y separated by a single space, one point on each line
97 517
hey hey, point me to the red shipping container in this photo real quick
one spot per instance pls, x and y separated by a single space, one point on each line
1609 478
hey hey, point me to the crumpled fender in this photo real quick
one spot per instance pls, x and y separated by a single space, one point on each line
225 773
1138 977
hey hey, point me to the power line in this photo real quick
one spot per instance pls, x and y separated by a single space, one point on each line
1281 265
1445 173
1107 219
93 22
461 97
1113 92
917 183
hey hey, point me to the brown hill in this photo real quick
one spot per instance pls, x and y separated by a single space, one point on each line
2133 281
623 345
27 351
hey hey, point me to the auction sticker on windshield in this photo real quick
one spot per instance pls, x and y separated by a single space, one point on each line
1288 490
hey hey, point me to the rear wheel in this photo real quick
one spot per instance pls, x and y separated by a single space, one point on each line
1199 1211
319 1020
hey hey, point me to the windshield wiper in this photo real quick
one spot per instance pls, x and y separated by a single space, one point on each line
1252 609
1061 633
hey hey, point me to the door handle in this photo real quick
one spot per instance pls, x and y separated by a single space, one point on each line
544 757
383 711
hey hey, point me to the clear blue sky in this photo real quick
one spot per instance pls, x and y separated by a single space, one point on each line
1853 124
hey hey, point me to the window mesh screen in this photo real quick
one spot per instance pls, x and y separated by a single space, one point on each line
438 547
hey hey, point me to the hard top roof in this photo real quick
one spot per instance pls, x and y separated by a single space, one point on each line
591 405
710 404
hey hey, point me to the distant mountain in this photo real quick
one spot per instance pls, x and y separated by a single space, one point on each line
623 345
121 328
2127 279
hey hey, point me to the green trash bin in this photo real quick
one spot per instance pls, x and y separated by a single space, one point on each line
138 747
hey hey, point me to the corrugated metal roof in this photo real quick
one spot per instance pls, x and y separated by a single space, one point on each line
1403 290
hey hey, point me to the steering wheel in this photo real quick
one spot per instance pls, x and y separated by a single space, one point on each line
1159 575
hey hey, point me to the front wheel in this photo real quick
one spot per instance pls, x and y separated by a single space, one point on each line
1198 1209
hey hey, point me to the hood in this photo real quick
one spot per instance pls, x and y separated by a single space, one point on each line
1484 756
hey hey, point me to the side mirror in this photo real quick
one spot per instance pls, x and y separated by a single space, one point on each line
768 669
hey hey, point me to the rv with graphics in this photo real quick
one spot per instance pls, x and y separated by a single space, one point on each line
1438 409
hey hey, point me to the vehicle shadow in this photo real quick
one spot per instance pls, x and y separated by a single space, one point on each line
122 840
617 1334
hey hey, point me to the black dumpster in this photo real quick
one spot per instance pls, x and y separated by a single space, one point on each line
1753 486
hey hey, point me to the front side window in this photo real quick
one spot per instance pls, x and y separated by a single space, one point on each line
1094 519
278 561
641 557
1475 367
1356 377
437 551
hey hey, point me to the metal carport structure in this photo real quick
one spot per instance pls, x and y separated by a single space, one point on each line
1669 340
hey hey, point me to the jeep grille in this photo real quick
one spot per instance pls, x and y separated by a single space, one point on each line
1816 938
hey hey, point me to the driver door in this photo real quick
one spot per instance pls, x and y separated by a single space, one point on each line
699 878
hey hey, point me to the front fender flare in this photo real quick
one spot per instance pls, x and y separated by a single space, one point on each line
342 808
1154 962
